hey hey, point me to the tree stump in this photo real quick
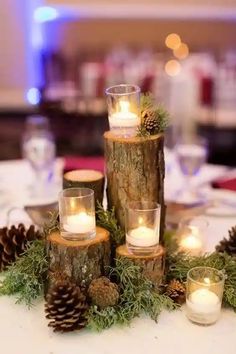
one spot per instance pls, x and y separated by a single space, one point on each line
135 171
80 261
153 265
86 179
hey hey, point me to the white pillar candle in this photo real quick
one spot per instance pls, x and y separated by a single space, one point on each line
142 236
123 117
80 223
203 306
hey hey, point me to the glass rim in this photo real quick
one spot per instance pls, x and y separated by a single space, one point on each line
135 87
90 192
128 207
220 272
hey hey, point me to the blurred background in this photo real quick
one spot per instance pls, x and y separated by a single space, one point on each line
57 56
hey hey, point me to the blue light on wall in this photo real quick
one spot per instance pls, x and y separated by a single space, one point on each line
33 96
45 13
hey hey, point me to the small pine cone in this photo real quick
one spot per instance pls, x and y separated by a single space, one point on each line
176 291
103 292
228 245
66 307
13 242
150 123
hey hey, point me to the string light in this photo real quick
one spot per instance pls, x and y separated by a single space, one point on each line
172 67
173 41
182 51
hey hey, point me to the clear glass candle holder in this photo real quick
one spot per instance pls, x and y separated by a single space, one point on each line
142 222
191 235
123 109
204 294
77 214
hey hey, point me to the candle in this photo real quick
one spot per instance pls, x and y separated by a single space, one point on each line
80 223
142 236
124 117
191 242
203 306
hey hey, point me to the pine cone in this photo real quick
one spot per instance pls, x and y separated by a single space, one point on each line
103 292
176 291
228 245
149 121
66 307
13 243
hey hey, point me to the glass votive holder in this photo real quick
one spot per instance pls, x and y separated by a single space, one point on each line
142 223
204 294
123 109
191 235
77 214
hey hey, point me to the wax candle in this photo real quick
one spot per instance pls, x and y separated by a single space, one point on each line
142 236
79 223
124 117
203 306
191 242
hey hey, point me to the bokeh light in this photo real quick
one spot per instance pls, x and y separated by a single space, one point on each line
173 41
33 96
172 67
182 51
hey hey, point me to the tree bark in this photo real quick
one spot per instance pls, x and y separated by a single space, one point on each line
80 261
152 266
135 171
86 179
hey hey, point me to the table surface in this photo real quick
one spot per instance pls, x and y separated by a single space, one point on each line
25 331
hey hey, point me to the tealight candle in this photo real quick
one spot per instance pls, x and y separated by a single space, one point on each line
142 223
123 109
77 214
191 241
204 295
142 236
79 223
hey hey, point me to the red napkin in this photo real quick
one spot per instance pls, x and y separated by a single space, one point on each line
223 183
82 162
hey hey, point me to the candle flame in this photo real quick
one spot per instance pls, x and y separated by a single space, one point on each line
124 106
207 281
140 220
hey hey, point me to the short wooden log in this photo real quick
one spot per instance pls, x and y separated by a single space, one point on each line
80 261
86 179
135 171
153 265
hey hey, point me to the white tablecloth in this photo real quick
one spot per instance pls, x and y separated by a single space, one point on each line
25 331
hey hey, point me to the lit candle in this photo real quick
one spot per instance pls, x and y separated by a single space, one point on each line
191 242
124 117
80 223
203 306
142 236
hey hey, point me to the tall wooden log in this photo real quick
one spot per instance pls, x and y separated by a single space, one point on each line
80 261
86 179
152 265
135 171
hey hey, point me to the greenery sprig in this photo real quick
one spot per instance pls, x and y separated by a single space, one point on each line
137 296
107 219
26 276
154 113
180 264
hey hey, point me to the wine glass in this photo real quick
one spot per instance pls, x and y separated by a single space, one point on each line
191 156
39 150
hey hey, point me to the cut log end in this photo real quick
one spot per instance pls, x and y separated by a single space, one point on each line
152 265
83 175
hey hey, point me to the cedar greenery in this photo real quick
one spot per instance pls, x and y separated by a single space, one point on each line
107 219
180 264
26 276
156 111
137 296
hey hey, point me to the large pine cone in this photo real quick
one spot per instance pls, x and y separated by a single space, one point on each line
176 291
228 245
66 307
103 292
13 242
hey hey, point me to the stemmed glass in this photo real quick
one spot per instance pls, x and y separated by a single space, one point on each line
191 156
38 149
